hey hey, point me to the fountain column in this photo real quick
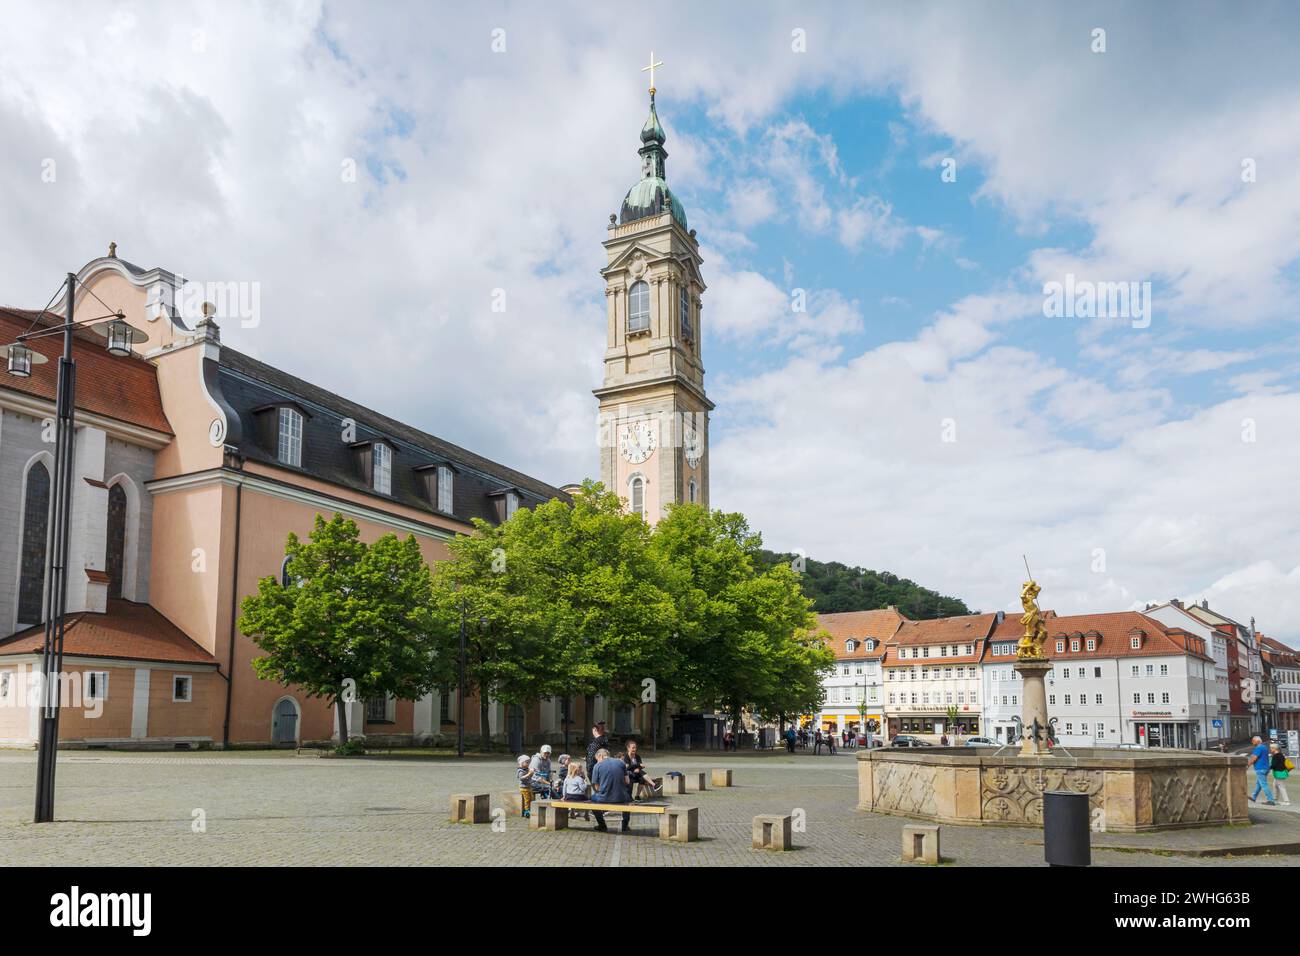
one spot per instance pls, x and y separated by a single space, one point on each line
1034 707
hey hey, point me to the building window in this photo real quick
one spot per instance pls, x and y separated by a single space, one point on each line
289 444
636 494
850 645
1151 698
684 306
1151 670
512 504
871 644
1067 700
36 516
182 690
638 307
1096 672
6 676
1137 698
445 488
1065 673
381 460
96 686
1164 698
1164 670
1092 643
444 705
1099 700
1135 642
379 710
1074 644
691 494
115 553
1060 647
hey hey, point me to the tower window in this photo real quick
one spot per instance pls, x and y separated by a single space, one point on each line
638 308
691 492
684 306
636 494
289 444
381 460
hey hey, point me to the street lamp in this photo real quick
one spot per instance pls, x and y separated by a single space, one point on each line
21 359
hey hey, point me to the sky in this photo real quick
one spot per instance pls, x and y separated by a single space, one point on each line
926 179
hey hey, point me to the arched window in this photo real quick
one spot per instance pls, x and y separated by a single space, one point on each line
684 307
116 550
636 494
691 491
36 517
638 307
284 572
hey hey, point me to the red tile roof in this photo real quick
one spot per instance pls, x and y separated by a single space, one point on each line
961 630
1114 631
843 626
125 389
127 631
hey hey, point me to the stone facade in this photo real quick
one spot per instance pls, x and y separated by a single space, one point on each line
1127 792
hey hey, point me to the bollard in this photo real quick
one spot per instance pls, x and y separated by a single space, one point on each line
1067 835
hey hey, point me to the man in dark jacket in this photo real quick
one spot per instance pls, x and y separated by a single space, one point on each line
598 742
609 784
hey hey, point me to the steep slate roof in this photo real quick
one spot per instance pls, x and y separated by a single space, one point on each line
126 631
1114 630
859 625
121 388
248 385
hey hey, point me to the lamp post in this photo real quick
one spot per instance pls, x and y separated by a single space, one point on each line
460 693
20 361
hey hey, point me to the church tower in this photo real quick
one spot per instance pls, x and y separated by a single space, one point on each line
654 414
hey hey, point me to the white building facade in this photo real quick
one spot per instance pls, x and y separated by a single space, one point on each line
854 690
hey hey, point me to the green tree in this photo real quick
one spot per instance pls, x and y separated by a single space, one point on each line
565 600
354 619
746 631
833 587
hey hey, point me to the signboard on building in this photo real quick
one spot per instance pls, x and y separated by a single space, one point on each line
1292 741
1216 722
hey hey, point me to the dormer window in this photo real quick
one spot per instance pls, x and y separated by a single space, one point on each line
638 308
505 502
445 480
871 644
289 437
381 468
1074 644
1060 647
850 645
512 504
1135 642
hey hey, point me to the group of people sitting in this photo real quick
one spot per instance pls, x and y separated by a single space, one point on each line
610 779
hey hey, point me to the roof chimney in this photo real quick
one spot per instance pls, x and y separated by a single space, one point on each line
1175 602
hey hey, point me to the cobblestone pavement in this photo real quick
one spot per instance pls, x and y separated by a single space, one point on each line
272 809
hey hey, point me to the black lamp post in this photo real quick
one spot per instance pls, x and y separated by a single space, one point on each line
21 359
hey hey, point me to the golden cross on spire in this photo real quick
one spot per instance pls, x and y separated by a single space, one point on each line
651 68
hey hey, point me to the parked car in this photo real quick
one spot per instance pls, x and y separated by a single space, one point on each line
1129 746
876 740
907 740
981 742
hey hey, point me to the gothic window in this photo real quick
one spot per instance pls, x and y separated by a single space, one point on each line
116 551
36 516
684 306
638 307
691 491
289 442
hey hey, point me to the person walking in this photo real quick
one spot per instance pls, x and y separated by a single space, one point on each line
789 739
817 742
1281 769
1259 762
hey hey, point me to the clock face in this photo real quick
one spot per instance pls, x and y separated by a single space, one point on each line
636 441
693 445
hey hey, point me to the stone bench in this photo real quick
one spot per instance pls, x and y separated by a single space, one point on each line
674 785
721 778
921 842
696 782
471 808
679 824
772 831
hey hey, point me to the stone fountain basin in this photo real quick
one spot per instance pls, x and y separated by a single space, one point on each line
1129 791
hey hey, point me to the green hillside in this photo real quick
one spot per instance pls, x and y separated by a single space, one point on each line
833 586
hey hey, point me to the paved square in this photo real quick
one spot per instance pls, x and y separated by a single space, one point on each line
278 808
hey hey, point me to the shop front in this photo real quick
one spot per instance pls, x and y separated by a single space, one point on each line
1158 728
967 725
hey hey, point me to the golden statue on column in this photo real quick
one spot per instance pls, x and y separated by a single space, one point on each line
1032 665
1030 647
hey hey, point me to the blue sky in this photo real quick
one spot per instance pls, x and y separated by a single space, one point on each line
1130 464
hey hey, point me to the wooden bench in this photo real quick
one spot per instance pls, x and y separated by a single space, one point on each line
680 824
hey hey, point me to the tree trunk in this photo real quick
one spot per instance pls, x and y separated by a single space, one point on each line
342 709
485 736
